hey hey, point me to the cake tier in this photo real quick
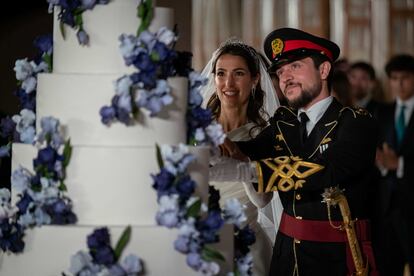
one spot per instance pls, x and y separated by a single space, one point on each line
49 248
113 185
76 100
104 24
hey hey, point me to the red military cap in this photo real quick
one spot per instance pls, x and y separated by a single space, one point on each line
286 45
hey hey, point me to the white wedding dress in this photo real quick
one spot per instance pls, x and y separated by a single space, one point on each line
265 230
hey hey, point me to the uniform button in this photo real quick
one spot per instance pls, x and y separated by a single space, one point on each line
298 217
298 197
297 241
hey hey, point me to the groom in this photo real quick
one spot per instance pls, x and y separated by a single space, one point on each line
314 144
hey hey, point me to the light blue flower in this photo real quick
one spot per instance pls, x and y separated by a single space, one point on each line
200 135
147 40
79 261
194 261
29 84
20 179
123 85
6 209
132 264
5 150
41 67
41 217
88 4
216 134
168 212
27 135
50 128
124 102
128 48
166 36
244 265
176 158
233 212
23 69
25 119
83 37
209 268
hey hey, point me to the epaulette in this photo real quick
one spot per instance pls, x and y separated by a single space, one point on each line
284 111
355 111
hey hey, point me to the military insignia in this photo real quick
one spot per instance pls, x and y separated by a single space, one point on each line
288 173
277 46
326 140
278 148
322 148
279 137
362 111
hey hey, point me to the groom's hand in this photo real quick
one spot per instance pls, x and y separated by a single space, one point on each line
230 149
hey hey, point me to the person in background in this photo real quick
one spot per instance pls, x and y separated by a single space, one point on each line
363 82
310 147
241 97
341 88
395 160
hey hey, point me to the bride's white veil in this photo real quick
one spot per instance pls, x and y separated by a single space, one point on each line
270 101
269 216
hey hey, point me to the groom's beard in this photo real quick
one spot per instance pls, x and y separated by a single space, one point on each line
307 96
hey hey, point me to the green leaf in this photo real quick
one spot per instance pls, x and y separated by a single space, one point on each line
48 59
210 254
62 186
159 156
67 153
62 29
122 242
78 20
194 209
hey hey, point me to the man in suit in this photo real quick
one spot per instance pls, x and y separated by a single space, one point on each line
363 81
395 160
314 144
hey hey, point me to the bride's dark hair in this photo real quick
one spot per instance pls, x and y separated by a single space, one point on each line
255 110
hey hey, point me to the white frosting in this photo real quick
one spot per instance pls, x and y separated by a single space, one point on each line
113 185
49 248
76 100
104 24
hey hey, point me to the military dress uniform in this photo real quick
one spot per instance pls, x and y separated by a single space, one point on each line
338 152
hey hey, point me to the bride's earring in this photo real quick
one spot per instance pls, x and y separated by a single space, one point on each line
253 92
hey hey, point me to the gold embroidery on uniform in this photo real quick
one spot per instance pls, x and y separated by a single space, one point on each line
334 124
278 148
284 169
326 140
260 177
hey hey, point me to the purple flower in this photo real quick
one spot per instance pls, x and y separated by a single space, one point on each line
88 4
144 63
44 43
107 114
163 182
46 157
83 37
210 226
186 187
61 212
194 260
24 203
99 237
7 127
27 101
243 239
181 244
11 237
200 117
103 255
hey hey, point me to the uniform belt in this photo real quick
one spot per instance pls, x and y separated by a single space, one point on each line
321 230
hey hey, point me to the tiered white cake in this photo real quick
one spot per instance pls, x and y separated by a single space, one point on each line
108 177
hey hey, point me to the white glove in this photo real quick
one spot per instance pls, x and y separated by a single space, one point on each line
229 169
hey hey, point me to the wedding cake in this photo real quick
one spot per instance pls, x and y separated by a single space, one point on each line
109 175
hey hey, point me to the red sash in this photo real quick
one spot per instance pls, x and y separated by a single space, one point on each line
322 231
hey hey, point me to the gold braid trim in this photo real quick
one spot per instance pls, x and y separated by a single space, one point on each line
288 173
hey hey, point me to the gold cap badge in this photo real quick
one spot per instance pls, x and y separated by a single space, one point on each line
277 46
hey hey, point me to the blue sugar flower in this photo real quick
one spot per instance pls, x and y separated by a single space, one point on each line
88 4
7 127
210 226
44 43
27 101
11 237
46 158
99 238
200 117
24 203
168 218
181 244
103 255
61 212
163 182
194 261
185 187
83 37
107 114
23 69
233 212
143 62
132 264
117 270
29 84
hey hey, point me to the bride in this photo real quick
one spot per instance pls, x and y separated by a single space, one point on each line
241 96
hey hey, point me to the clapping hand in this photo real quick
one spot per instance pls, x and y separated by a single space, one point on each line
230 149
